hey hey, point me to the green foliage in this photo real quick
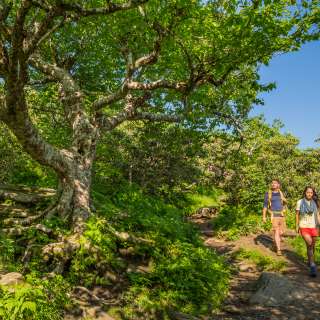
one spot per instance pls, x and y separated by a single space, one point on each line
263 262
234 222
160 158
85 266
245 169
7 249
183 274
17 167
203 197
43 300
182 277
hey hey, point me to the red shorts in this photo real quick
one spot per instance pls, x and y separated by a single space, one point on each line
313 232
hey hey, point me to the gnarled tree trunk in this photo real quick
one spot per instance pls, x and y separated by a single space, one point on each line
74 193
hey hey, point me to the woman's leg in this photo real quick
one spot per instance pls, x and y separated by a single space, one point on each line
314 240
310 247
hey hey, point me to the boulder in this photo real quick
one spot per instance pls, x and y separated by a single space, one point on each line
206 212
12 278
275 290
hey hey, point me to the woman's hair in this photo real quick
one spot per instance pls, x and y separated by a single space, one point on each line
315 195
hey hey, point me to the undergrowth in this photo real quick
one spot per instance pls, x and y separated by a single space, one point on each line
234 222
181 274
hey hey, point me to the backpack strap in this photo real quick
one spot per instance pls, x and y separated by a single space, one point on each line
283 199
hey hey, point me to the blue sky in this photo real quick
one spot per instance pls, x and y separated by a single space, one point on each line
296 100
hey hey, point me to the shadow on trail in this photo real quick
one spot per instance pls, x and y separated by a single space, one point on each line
267 241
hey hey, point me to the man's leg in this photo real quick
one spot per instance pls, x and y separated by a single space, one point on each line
277 239
283 227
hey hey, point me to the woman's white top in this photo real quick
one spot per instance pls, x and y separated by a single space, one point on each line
307 220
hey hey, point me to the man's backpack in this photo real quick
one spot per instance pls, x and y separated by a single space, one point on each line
283 199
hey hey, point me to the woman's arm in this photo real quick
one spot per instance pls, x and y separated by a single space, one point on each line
297 220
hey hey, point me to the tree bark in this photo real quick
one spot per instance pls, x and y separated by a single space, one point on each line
73 200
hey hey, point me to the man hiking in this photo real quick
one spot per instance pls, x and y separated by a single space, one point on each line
274 203
307 221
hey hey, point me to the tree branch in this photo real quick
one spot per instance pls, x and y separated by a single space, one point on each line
43 31
5 10
130 113
113 97
17 32
156 117
109 9
84 131
163 84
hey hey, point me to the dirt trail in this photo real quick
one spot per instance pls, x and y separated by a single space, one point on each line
243 283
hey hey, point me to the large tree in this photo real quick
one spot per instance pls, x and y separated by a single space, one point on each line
107 62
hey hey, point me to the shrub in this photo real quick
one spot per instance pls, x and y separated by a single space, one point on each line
233 222
35 300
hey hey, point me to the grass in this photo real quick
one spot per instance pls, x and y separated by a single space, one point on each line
201 199
263 262
299 248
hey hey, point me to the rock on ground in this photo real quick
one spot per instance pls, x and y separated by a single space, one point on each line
12 278
274 290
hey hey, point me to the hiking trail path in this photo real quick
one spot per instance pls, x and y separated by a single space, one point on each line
244 277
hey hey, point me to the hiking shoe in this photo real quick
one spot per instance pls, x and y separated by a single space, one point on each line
279 253
313 271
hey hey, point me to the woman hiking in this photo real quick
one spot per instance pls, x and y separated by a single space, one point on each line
307 221
274 203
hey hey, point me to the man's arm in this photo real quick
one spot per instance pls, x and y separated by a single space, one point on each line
264 214
265 208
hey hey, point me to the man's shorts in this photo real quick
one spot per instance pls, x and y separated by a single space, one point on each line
279 223
313 232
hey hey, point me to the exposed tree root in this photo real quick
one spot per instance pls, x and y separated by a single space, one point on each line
124 236
25 218
25 195
22 221
60 253
19 230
